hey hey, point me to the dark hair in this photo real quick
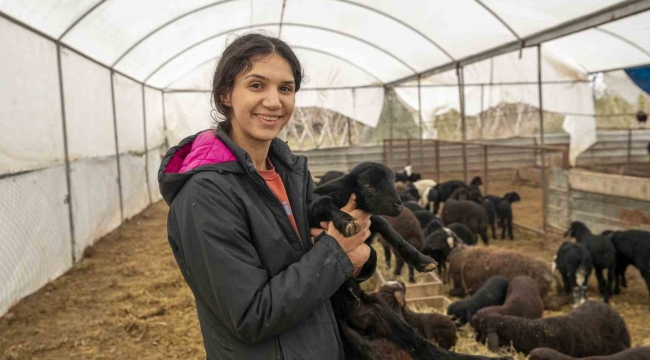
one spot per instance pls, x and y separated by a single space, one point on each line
236 58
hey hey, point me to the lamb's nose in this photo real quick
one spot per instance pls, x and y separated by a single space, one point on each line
398 205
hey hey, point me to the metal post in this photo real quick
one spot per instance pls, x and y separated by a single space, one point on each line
164 118
66 155
146 148
437 160
408 152
349 132
629 145
117 147
461 93
486 180
541 137
420 124
390 123
481 113
384 157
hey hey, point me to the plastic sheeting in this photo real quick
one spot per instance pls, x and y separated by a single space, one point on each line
31 133
129 115
582 132
621 84
135 196
641 77
34 232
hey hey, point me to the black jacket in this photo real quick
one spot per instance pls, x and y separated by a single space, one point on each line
261 292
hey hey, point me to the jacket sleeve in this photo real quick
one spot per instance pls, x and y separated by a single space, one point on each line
227 274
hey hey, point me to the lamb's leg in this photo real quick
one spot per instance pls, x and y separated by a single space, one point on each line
436 207
387 253
411 274
324 209
399 264
484 237
410 254
646 276
494 231
602 285
611 274
510 227
503 224
567 283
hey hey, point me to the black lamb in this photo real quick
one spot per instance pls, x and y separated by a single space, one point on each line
632 248
593 328
503 210
574 263
492 293
602 252
359 315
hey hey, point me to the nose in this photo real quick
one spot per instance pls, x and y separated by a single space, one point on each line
398 206
272 100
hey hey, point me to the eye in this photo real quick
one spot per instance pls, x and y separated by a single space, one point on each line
286 89
370 190
255 85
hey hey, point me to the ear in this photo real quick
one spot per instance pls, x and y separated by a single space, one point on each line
336 185
400 297
225 99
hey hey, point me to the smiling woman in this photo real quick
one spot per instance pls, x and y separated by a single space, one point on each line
238 224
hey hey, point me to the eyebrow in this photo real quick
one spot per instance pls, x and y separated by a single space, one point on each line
289 82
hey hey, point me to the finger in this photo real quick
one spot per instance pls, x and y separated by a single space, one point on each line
351 205
315 232
325 224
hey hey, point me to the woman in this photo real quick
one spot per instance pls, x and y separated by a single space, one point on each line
238 224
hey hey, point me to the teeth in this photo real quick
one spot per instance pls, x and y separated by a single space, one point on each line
269 118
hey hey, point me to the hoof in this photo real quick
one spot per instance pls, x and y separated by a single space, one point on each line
412 280
430 267
352 228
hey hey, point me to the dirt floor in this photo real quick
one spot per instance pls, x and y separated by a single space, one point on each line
128 300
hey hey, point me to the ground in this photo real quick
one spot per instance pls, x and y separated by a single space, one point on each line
128 300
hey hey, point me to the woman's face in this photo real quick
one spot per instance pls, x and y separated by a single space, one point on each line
262 99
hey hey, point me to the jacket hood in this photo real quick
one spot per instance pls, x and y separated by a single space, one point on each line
211 150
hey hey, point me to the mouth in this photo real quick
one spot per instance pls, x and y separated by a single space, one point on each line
268 119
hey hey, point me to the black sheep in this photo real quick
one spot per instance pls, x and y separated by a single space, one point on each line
329 176
602 252
593 328
574 263
463 232
425 217
441 192
438 245
492 293
432 326
503 210
356 312
639 353
632 248
490 210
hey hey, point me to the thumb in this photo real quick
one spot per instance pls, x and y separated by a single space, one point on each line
351 205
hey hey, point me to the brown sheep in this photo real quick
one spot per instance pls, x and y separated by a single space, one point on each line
384 350
458 209
408 226
639 353
591 329
434 327
470 267
522 299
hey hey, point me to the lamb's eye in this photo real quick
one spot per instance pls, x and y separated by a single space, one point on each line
371 190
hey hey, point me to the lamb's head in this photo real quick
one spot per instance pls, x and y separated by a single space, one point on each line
439 243
460 194
476 196
577 230
477 181
511 197
393 293
375 189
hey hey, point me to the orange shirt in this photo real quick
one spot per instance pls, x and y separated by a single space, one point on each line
274 182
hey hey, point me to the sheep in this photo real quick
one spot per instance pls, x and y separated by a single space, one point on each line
424 186
490 210
441 192
522 299
503 210
425 217
491 293
329 176
639 353
407 176
407 192
593 328
470 267
355 311
574 263
467 213
437 245
408 227
434 327
602 252
632 248
463 232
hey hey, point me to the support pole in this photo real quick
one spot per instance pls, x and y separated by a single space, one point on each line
486 180
164 119
146 148
437 161
481 114
389 95
629 146
117 147
66 156
541 137
420 124
461 97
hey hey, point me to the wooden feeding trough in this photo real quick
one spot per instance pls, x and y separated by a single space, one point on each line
422 295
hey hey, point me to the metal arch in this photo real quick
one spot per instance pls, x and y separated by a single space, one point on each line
216 3
286 24
625 40
80 18
284 5
401 23
293 47
499 19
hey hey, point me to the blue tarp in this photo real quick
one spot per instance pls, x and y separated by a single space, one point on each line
641 77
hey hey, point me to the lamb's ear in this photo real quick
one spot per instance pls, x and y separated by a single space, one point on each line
400 297
554 265
332 186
